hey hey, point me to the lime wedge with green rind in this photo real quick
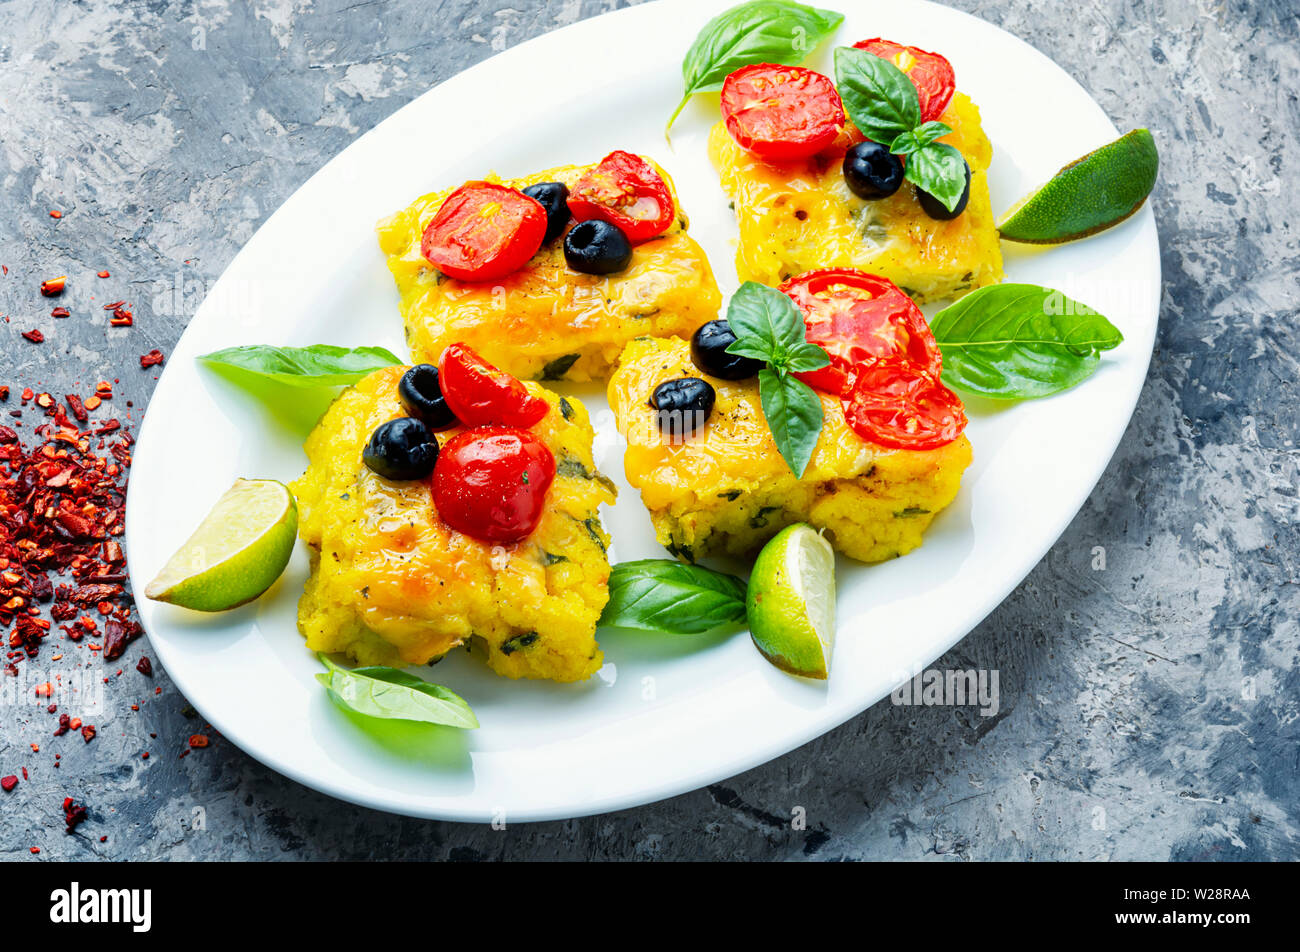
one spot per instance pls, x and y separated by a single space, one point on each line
1089 195
791 601
236 553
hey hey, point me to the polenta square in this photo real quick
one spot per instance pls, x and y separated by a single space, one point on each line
800 215
545 320
728 490
391 583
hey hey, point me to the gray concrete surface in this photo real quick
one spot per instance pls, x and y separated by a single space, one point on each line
1149 710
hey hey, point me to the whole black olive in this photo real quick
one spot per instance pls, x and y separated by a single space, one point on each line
554 197
872 171
421 395
935 209
709 350
597 247
684 406
401 449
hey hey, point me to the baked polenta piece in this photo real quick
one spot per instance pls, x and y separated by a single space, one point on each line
392 584
727 490
800 216
546 321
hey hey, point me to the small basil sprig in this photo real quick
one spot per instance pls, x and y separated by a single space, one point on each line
883 104
318 365
765 31
665 595
392 694
768 327
1015 341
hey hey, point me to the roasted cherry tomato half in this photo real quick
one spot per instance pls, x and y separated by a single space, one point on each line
902 407
480 394
483 232
624 190
930 73
490 483
781 112
860 319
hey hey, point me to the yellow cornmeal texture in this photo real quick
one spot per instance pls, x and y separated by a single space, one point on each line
547 321
801 216
729 490
391 584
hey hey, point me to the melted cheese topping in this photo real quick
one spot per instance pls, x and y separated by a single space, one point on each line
391 584
729 490
801 216
546 321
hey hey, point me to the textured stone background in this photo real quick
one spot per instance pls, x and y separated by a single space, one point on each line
1148 710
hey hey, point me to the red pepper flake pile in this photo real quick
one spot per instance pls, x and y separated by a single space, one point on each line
151 359
61 517
74 814
53 287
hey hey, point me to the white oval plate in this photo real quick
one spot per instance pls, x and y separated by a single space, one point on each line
666 715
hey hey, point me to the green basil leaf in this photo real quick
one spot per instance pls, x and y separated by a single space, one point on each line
877 95
806 357
794 415
319 365
393 694
763 318
919 137
665 595
940 170
765 31
1012 341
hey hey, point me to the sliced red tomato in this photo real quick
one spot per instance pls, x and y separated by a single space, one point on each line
480 394
781 112
483 232
903 407
625 190
930 73
860 319
491 482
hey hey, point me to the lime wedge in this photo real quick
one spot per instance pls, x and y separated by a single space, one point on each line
791 601
1089 195
236 553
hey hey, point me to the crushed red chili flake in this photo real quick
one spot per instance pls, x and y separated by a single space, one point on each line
77 407
65 723
74 814
55 213
60 312
8 783
88 732
103 274
34 850
121 317
53 287
151 359
145 666
36 337
198 740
